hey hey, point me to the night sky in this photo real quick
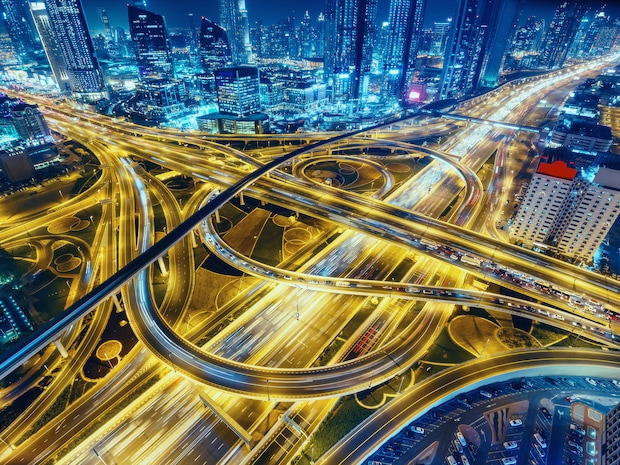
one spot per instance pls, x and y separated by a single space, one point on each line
271 11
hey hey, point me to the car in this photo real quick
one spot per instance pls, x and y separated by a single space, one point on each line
486 394
540 440
591 381
551 380
509 460
570 382
575 436
575 427
417 429
461 438
570 399
511 445
458 445
615 382
575 445
464 460
540 451
575 451
572 461
545 412
516 422
472 448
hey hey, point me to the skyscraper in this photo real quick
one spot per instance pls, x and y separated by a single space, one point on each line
234 19
238 90
213 46
560 35
151 44
18 22
441 32
349 38
62 27
403 40
501 18
462 52
306 37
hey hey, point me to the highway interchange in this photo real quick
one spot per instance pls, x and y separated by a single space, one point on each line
404 220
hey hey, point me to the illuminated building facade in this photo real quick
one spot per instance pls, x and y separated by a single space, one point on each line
560 35
403 42
68 46
567 209
234 19
350 34
238 90
213 46
462 52
151 44
18 23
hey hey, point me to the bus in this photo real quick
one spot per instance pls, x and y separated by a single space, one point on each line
474 261
429 244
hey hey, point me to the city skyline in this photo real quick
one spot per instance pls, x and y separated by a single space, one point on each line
279 10
315 239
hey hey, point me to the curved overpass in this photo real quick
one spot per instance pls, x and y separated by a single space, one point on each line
420 398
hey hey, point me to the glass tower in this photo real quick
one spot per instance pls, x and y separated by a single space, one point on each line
151 44
234 19
403 40
68 46
213 45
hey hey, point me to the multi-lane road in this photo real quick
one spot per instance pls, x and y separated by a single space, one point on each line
235 371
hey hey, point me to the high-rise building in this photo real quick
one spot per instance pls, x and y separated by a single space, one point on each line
462 52
612 437
441 32
306 38
151 44
501 20
528 37
30 123
105 22
570 210
193 33
213 46
63 31
319 40
238 90
18 23
560 35
405 30
349 39
234 19
50 45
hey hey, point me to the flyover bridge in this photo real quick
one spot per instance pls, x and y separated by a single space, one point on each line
472 119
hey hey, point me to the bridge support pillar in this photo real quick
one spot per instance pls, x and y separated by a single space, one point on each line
217 217
241 199
295 427
117 303
61 348
227 419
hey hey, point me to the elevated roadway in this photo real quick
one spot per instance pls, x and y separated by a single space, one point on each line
362 441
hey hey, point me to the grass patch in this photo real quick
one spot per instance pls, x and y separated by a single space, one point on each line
445 345
345 415
548 335
56 409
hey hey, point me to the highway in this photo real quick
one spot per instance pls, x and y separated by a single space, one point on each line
390 222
